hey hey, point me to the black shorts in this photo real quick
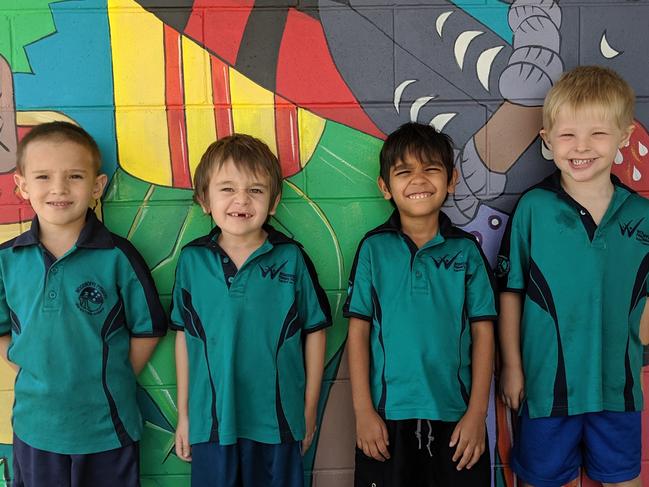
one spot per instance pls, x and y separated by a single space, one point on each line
420 457
39 468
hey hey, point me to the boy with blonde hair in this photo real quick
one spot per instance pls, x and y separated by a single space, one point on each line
573 270
250 316
79 318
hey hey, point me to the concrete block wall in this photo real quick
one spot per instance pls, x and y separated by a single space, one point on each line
322 82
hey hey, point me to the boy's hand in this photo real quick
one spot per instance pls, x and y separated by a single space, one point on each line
372 435
183 450
512 383
469 436
310 418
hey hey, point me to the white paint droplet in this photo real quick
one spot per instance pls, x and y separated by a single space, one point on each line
642 149
441 20
619 158
636 174
546 153
605 48
398 92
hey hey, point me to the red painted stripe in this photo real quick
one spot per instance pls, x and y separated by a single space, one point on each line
175 99
219 25
221 98
307 75
287 136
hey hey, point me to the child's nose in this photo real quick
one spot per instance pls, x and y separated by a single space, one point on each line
60 185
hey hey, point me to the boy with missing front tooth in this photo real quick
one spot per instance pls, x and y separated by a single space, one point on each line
421 306
573 270
250 316
79 318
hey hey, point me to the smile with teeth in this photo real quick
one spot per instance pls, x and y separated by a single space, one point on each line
580 162
419 196
59 204
240 214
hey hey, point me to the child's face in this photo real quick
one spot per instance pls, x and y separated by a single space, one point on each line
418 189
584 143
60 181
238 200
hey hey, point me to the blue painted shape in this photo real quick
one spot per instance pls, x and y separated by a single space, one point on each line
72 73
491 13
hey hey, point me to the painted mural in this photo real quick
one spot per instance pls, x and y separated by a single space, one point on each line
322 82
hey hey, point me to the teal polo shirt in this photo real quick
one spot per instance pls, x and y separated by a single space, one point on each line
420 303
244 330
584 287
71 320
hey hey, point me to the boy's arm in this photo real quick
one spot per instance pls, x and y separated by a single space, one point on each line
469 434
644 324
512 381
5 341
371 433
314 354
183 450
140 352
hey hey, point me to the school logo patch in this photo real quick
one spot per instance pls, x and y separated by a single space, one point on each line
448 262
90 298
502 267
630 230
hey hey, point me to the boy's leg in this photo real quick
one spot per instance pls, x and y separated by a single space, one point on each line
547 451
613 447
446 469
215 465
39 468
120 466
407 466
271 465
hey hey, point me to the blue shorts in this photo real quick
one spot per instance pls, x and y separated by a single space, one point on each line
247 464
548 452
39 468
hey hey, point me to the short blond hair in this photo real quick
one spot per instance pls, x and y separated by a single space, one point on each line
591 86
246 152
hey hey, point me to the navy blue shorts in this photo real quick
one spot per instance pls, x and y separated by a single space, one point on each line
550 451
247 464
39 468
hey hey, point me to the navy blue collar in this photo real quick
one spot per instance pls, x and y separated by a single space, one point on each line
275 237
446 228
94 235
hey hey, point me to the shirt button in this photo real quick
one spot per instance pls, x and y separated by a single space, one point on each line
55 270
52 295
226 260
582 212
418 274
230 279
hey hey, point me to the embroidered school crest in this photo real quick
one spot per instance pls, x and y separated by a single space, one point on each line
90 298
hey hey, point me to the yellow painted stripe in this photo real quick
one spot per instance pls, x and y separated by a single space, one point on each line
253 109
310 128
137 44
199 112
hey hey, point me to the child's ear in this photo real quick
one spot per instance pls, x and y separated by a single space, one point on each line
100 184
626 135
275 204
544 135
21 184
384 188
455 177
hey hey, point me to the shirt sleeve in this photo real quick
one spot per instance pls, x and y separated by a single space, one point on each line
514 256
480 287
145 316
176 321
359 293
313 306
5 317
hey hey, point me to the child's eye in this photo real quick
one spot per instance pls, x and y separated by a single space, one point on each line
600 133
565 136
402 172
256 191
76 176
227 190
41 176
433 169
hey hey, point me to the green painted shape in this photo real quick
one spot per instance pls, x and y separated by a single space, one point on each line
157 458
23 22
161 369
345 164
125 188
6 463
